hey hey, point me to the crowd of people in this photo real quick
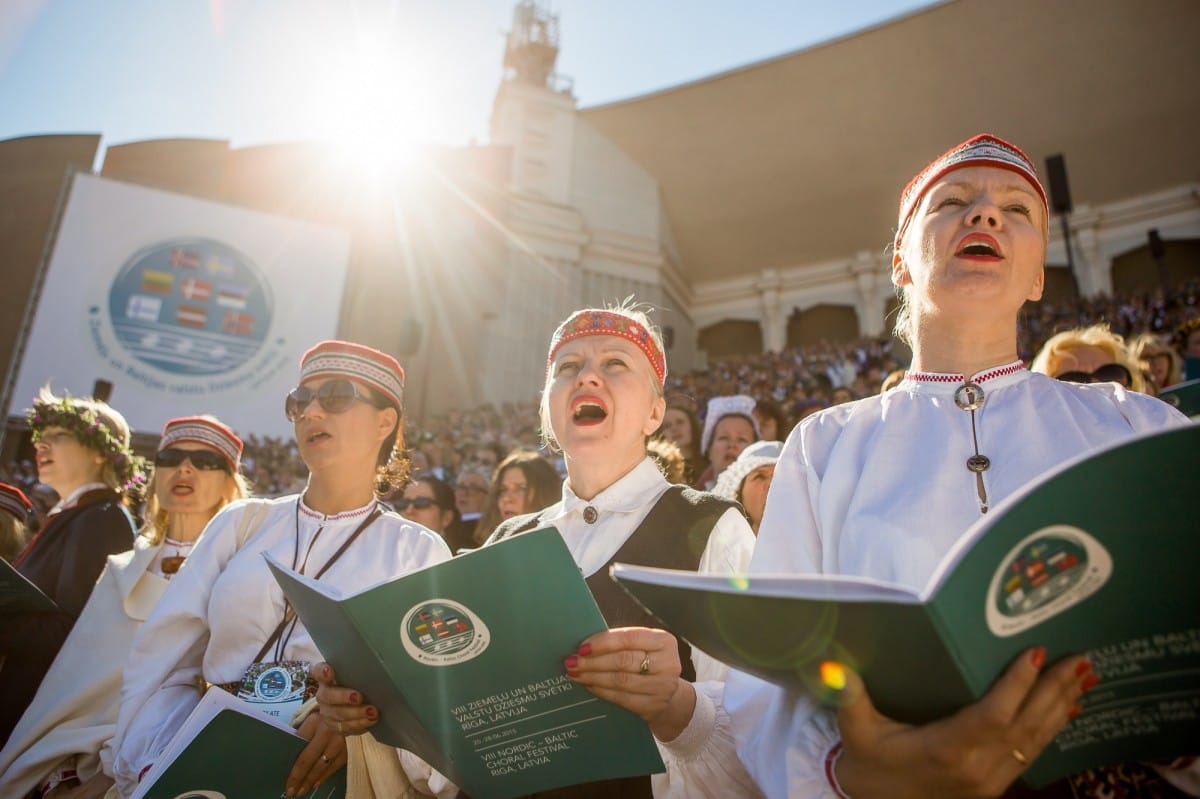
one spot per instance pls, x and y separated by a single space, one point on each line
162 595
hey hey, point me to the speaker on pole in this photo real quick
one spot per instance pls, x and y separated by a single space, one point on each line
1060 190
102 390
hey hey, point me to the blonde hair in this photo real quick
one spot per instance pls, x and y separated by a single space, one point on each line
1049 360
638 312
1148 346
158 519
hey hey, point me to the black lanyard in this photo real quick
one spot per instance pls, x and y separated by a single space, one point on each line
280 638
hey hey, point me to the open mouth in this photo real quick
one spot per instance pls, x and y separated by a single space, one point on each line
588 410
979 246
182 489
315 436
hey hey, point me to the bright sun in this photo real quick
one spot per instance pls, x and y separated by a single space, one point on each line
373 106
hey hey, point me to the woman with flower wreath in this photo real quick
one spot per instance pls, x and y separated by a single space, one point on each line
83 454
62 745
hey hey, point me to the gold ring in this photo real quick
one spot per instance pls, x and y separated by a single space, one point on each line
645 667
1019 756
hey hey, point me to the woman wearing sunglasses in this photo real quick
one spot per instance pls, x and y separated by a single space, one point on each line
602 398
1092 354
429 501
83 453
62 740
223 622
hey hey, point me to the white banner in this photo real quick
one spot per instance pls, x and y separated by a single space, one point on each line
187 306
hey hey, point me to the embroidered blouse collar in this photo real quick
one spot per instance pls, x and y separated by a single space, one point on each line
347 515
947 383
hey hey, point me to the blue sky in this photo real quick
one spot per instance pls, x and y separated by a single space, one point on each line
259 71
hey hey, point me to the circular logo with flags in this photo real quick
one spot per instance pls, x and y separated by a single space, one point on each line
190 306
441 632
1046 573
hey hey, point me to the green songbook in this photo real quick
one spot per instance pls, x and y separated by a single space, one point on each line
1101 557
228 749
18 595
465 662
1184 396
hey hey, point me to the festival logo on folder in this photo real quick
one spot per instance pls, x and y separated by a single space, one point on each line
1048 572
440 633
191 307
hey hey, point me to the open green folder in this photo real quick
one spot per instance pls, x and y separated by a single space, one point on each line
18 595
465 662
227 749
1102 557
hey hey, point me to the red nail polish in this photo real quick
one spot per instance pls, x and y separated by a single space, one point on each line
1075 711
585 650
355 698
571 661
572 674
326 671
1038 658
1090 682
1083 668
371 713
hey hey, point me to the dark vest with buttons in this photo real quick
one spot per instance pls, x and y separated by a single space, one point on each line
672 536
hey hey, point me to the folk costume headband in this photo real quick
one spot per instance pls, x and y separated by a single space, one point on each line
358 362
14 501
200 430
595 322
105 432
982 150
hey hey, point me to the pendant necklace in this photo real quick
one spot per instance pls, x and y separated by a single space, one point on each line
969 397
171 563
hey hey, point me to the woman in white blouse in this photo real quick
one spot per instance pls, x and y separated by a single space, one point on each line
884 487
223 612
61 745
603 396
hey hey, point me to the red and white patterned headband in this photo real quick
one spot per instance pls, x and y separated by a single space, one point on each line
376 369
595 322
982 150
199 430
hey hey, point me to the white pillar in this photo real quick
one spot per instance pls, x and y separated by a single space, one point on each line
868 272
774 326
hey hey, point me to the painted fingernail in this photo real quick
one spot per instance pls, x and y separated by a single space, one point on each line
1083 668
571 661
1090 682
1038 658
572 674
372 713
326 671
355 698
1075 711
585 650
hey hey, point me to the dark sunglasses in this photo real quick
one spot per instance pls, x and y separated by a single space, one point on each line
420 503
334 396
203 459
1108 373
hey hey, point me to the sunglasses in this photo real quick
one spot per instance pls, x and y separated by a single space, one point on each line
334 396
420 503
203 459
1108 373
